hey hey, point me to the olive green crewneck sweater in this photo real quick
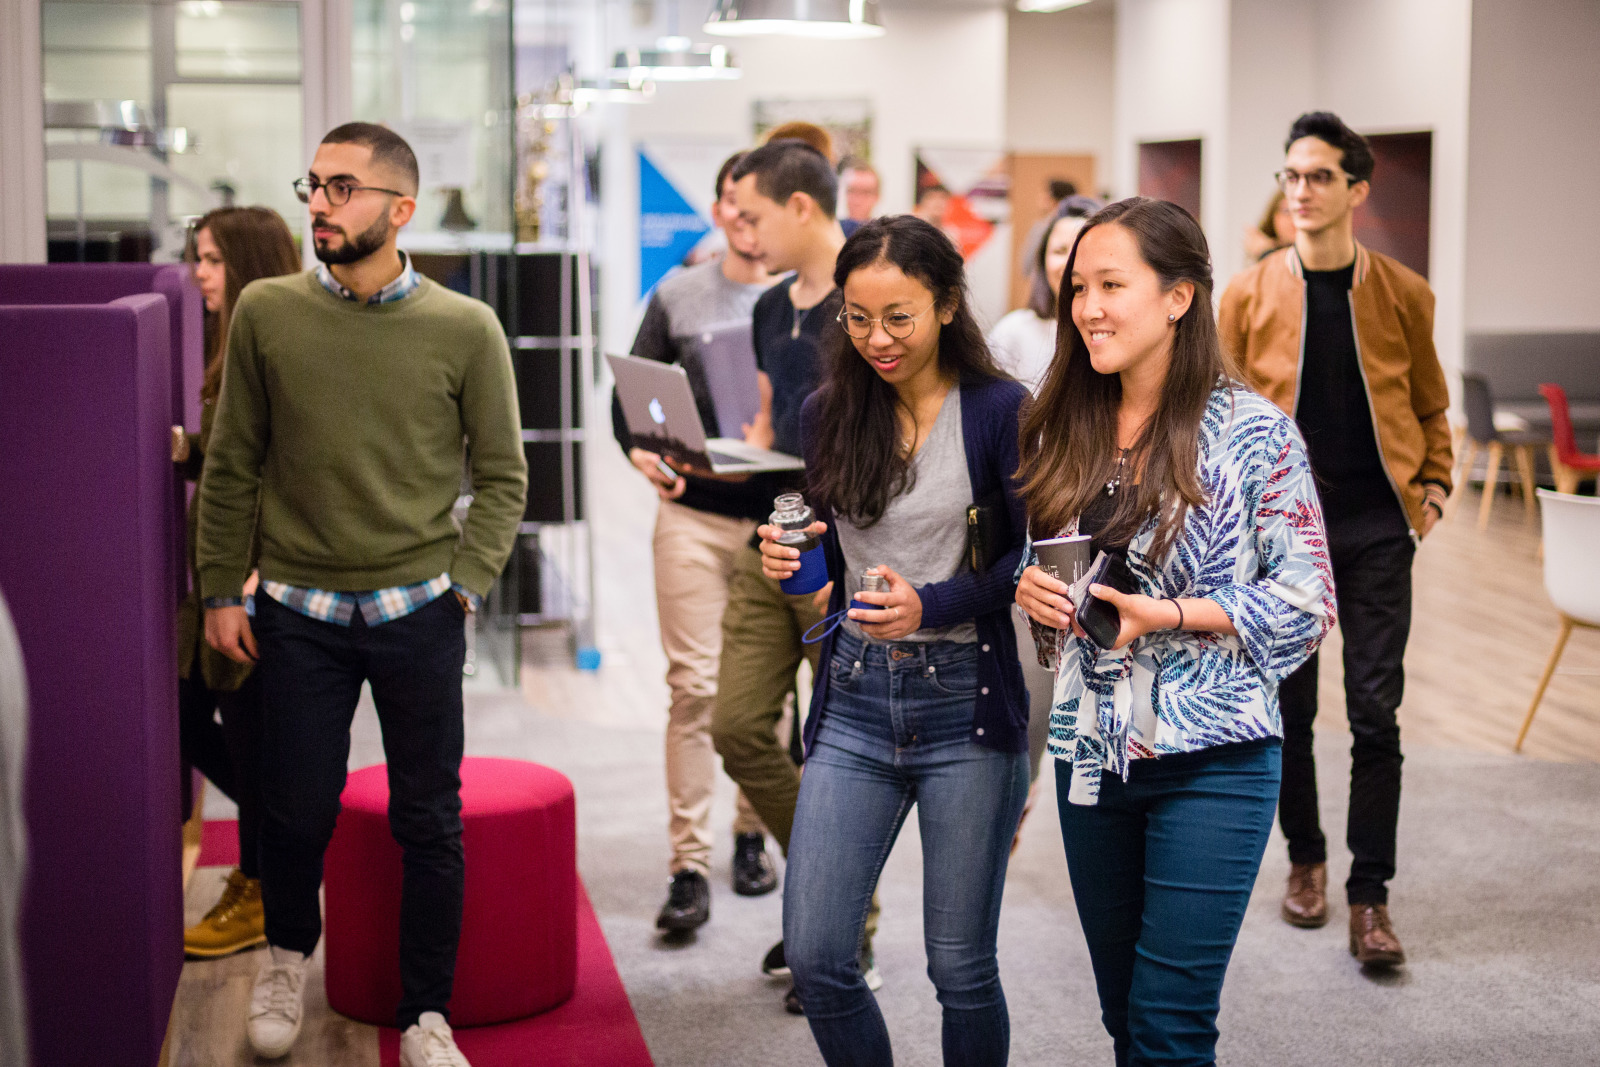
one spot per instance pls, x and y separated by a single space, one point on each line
347 421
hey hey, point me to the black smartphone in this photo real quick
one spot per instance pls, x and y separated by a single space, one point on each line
1099 619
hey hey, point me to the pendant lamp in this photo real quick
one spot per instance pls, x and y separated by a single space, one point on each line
830 19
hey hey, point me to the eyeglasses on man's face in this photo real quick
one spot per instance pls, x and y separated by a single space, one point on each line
1316 179
897 324
337 190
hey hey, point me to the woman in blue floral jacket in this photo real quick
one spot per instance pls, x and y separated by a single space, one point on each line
1168 742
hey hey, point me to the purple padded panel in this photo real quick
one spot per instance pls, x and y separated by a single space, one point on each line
86 566
100 283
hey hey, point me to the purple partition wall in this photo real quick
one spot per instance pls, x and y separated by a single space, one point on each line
85 560
100 283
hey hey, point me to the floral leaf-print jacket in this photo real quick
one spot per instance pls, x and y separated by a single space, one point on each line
1258 548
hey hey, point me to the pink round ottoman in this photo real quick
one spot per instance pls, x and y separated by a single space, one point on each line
519 930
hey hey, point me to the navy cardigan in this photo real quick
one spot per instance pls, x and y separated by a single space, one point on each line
989 434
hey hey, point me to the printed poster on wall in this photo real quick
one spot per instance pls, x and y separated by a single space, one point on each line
976 215
675 198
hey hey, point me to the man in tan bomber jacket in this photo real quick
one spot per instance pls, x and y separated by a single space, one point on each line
1341 338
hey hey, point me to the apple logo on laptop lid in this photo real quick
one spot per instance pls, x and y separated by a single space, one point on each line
657 412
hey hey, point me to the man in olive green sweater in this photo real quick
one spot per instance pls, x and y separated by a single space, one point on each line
347 395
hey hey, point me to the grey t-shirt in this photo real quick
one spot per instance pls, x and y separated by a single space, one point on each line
923 532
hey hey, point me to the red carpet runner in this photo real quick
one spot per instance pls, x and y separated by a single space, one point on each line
596 1028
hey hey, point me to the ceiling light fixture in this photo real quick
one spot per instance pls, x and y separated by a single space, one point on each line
1043 6
674 59
830 19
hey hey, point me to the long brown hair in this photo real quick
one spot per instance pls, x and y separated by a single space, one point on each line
864 466
255 243
1069 434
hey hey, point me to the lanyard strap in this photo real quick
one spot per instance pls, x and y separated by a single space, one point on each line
832 623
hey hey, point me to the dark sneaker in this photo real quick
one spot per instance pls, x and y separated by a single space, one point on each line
688 903
753 873
774 964
791 1002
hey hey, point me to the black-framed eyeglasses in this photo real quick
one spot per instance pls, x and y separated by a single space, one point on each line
1316 179
897 324
337 190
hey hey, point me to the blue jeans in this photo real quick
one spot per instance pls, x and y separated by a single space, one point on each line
896 731
1162 869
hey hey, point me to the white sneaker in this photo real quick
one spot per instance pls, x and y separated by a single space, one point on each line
429 1043
276 1003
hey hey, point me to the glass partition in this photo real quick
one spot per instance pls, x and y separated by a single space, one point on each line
156 112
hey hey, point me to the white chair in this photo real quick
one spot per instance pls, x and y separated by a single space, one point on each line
1571 575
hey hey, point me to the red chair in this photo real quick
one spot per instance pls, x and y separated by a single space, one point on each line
519 928
1568 464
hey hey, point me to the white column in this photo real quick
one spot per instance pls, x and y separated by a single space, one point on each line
325 77
22 207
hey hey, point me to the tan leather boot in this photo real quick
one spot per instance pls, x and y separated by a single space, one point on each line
1306 901
235 923
1372 938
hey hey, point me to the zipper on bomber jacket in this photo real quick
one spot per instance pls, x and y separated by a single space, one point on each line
1377 436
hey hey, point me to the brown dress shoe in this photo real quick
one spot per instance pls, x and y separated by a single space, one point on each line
1372 939
1306 901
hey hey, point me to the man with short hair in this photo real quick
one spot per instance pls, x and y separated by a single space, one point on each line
861 191
1341 337
701 526
347 396
786 194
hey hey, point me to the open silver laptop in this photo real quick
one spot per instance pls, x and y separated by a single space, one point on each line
659 407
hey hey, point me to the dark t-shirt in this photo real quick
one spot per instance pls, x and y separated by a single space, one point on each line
1334 413
787 350
695 300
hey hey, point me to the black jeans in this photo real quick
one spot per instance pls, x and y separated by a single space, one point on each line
228 754
311 674
1372 573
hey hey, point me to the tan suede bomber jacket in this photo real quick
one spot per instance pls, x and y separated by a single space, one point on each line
1262 320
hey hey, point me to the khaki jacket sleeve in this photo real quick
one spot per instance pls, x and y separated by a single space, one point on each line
1430 396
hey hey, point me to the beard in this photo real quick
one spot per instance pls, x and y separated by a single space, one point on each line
358 247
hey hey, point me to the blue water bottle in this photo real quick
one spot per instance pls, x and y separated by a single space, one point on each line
792 517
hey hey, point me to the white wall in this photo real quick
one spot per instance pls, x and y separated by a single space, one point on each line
1171 80
22 229
1059 84
1533 221
1388 66
935 78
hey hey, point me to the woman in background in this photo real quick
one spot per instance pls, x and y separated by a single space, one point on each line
1275 229
232 247
1024 341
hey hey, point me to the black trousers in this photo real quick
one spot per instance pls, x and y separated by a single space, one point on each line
227 753
311 674
1372 573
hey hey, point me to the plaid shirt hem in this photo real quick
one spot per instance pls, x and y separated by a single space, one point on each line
378 606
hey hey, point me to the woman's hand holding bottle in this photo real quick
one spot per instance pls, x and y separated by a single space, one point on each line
900 611
779 561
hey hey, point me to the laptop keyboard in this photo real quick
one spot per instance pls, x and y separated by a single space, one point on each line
727 460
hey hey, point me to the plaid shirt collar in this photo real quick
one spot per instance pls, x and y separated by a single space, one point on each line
399 289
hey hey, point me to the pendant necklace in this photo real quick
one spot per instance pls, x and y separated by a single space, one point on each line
1116 480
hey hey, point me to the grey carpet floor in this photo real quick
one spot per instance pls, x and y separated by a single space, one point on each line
1496 902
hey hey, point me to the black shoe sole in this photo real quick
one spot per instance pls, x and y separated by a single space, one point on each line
673 925
755 889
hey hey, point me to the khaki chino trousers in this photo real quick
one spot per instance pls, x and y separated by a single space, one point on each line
694 554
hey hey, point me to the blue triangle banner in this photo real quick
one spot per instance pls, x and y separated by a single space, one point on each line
669 226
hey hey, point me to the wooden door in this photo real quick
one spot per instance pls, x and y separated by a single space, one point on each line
1031 175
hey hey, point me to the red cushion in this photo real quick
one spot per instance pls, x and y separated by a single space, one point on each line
519 936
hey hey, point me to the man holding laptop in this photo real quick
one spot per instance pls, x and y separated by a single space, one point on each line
701 526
